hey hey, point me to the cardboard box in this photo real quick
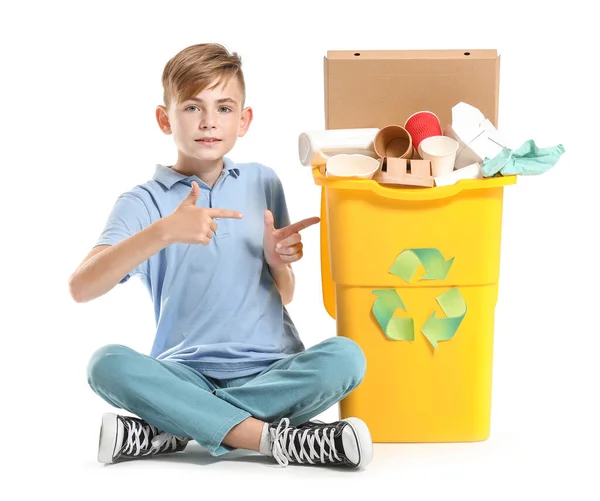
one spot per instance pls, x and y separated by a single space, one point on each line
375 88
404 172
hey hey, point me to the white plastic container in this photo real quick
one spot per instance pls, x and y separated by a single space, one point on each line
472 171
316 147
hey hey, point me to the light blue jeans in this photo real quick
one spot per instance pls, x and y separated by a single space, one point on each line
179 400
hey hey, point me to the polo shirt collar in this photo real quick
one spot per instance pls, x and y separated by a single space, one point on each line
166 176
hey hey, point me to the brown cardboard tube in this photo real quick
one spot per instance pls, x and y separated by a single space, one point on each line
393 141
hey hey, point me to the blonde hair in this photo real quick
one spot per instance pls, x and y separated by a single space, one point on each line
194 68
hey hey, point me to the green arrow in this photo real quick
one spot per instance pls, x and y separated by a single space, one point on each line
386 304
441 329
408 261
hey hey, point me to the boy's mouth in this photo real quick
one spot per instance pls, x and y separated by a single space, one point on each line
208 140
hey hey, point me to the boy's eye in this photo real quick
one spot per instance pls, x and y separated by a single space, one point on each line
223 109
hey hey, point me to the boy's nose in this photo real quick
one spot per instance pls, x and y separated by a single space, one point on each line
207 124
208 121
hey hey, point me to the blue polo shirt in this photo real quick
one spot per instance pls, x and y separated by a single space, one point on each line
217 308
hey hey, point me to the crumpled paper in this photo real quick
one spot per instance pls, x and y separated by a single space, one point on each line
527 160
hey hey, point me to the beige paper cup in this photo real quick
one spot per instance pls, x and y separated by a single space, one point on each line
351 166
441 152
393 141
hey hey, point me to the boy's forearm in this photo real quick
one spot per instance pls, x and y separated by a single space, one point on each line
285 281
103 271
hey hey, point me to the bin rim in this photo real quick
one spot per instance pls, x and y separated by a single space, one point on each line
410 193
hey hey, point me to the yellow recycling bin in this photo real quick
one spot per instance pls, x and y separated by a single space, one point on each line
411 275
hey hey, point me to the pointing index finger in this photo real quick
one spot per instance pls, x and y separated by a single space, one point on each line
300 225
225 213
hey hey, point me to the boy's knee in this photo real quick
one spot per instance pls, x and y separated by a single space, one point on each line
106 363
351 362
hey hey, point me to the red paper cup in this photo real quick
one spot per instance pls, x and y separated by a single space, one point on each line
421 125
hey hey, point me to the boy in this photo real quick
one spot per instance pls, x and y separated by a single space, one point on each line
212 242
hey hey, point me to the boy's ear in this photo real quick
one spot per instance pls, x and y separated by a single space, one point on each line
163 119
245 121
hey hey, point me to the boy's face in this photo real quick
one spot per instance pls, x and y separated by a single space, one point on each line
206 127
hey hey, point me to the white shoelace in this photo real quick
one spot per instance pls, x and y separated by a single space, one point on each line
163 439
138 439
284 444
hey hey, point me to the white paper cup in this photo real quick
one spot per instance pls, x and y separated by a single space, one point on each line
352 166
441 152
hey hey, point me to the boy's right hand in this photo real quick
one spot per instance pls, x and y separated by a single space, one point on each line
190 224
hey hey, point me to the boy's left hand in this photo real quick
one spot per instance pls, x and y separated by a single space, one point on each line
284 245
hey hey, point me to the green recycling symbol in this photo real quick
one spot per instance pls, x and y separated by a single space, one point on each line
451 302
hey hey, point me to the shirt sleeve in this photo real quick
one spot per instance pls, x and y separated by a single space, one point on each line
276 202
128 216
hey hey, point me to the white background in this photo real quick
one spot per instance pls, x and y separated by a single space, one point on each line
80 83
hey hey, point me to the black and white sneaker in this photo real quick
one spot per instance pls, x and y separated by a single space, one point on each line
127 437
342 443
